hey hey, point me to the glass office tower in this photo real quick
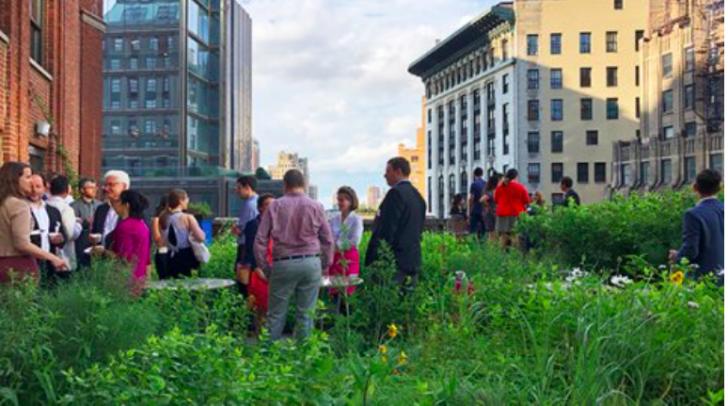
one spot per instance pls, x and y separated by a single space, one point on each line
173 116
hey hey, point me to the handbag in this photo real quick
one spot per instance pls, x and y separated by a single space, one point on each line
200 250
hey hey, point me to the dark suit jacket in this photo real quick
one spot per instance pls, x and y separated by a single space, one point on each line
703 236
54 217
97 227
399 222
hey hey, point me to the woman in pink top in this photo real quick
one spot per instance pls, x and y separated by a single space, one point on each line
131 238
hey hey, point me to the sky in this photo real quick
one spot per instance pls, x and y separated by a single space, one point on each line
330 80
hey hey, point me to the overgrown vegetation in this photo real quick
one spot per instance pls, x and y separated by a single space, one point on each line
523 333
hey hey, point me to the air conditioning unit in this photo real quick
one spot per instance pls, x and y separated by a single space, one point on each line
42 128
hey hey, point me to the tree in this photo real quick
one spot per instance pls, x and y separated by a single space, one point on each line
261 173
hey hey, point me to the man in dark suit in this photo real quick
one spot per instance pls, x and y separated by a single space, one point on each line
703 227
48 232
105 218
399 222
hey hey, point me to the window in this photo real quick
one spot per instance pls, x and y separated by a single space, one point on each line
533 110
585 42
136 44
151 62
534 172
115 85
114 63
533 78
37 8
667 101
429 115
557 109
618 4
532 44
690 170
586 109
637 107
625 173
118 44
133 85
582 172
611 41
556 78
133 63
557 172
505 129
612 108
600 172
150 127
557 141
611 76
555 44
585 77
667 65
637 75
115 127
716 161
690 129
644 172
638 35
504 48
689 59
154 43
592 137
533 142
505 83
668 132
133 129
690 97
666 171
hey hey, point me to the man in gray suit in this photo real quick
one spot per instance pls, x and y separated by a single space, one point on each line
703 228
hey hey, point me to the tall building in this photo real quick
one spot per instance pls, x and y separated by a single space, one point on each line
681 124
470 90
578 90
256 154
51 84
374 197
287 161
416 156
177 94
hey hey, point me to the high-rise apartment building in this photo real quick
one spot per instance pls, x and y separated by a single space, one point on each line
287 161
177 93
681 120
470 89
578 90
51 84
374 197
416 156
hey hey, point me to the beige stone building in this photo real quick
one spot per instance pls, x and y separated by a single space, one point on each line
682 98
416 156
578 90
290 160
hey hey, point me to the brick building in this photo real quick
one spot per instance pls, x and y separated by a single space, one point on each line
51 83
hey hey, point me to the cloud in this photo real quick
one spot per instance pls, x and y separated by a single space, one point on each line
330 78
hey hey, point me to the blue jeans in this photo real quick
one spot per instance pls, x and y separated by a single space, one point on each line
299 277
477 224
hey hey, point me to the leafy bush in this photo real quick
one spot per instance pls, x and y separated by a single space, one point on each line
603 235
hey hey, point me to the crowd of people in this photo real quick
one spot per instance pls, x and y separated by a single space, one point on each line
286 245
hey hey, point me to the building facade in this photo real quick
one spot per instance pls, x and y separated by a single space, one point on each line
578 90
51 84
470 103
416 156
682 99
374 197
256 154
287 161
177 94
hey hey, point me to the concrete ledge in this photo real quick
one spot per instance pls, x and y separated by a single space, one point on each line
40 69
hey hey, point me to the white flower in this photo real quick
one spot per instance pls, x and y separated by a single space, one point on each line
693 305
620 280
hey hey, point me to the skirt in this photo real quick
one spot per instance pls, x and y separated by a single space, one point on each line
345 263
18 268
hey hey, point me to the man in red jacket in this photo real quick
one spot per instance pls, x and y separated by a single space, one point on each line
511 199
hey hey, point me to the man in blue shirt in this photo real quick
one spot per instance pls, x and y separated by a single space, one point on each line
475 208
245 188
703 228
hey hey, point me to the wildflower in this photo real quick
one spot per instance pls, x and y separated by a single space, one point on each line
402 358
620 280
383 349
693 305
677 277
392 330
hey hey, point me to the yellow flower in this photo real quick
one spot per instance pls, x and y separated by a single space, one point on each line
402 359
383 349
677 277
392 330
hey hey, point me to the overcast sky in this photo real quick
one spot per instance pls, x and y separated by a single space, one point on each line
330 80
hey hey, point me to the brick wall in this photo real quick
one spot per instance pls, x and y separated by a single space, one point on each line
4 87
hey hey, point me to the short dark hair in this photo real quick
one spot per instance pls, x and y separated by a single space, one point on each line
351 195
248 180
82 183
511 174
59 185
707 182
136 201
294 178
567 181
401 164
262 198
478 171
